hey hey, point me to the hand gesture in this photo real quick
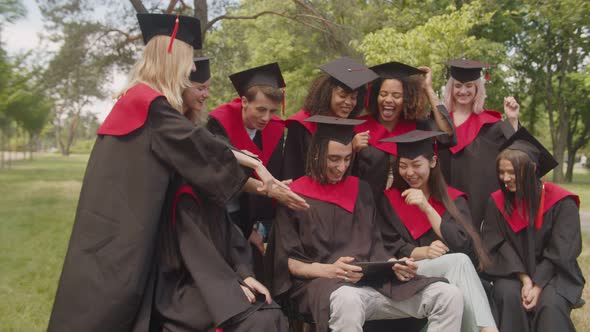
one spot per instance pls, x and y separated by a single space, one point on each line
511 109
436 249
285 196
360 141
256 239
530 302
405 272
256 286
343 270
416 197
427 78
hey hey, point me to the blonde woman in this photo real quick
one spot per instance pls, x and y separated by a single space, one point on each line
108 275
469 165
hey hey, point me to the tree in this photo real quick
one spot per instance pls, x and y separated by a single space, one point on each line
551 49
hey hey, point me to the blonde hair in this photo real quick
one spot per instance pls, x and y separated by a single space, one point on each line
478 100
167 73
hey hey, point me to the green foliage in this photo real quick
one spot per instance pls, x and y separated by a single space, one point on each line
12 10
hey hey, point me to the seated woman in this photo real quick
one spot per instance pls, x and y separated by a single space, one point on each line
422 218
397 105
205 273
340 92
314 251
532 231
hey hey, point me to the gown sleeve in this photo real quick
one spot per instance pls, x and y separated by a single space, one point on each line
446 141
564 245
203 160
217 282
454 234
295 153
389 223
240 252
505 260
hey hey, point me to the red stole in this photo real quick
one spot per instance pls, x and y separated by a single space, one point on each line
378 132
411 216
186 189
343 193
300 117
468 130
552 194
230 117
129 112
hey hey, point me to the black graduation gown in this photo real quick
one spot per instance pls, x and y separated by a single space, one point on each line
108 274
323 234
548 256
473 168
373 163
253 207
296 145
399 242
203 260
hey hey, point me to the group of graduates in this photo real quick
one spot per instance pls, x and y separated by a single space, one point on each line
419 214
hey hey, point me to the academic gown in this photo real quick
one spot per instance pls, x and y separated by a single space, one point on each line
340 222
548 255
372 164
405 227
108 274
296 144
204 259
470 166
226 121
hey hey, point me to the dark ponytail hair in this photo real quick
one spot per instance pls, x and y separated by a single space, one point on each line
438 190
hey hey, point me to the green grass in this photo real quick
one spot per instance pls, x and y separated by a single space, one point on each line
37 206
581 187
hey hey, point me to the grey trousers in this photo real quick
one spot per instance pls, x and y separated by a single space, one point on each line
440 302
459 270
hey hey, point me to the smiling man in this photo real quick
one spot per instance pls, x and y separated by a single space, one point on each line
250 123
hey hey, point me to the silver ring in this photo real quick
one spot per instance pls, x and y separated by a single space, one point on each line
346 279
346 273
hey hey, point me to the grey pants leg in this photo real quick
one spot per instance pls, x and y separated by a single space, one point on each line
459 270
350 306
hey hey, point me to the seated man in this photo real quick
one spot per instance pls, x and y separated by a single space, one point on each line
313 251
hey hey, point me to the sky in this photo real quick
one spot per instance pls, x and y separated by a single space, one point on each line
23 36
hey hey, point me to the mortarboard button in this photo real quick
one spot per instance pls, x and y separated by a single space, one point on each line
523 141
335 128
395 70
349 72
465 70
188 30
269 75
415 143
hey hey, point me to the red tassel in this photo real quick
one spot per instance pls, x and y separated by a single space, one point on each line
219 329
173 36
284 101
367 95
435 147
488 77
539 218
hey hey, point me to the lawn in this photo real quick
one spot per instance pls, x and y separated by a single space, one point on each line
37 206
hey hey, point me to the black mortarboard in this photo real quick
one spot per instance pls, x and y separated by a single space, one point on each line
189 28
523 141
395 70
464 70
349 72
415 143
203 72
269 75
334 128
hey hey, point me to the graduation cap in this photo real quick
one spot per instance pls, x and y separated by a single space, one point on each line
185 28
395 70
464 70
523 141
415 143
203 72
334 128
349 72
269 75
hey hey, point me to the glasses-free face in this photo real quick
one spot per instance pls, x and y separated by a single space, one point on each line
464 93
507 175
195 96
416 172
342 102
339 158
390 101
258 112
